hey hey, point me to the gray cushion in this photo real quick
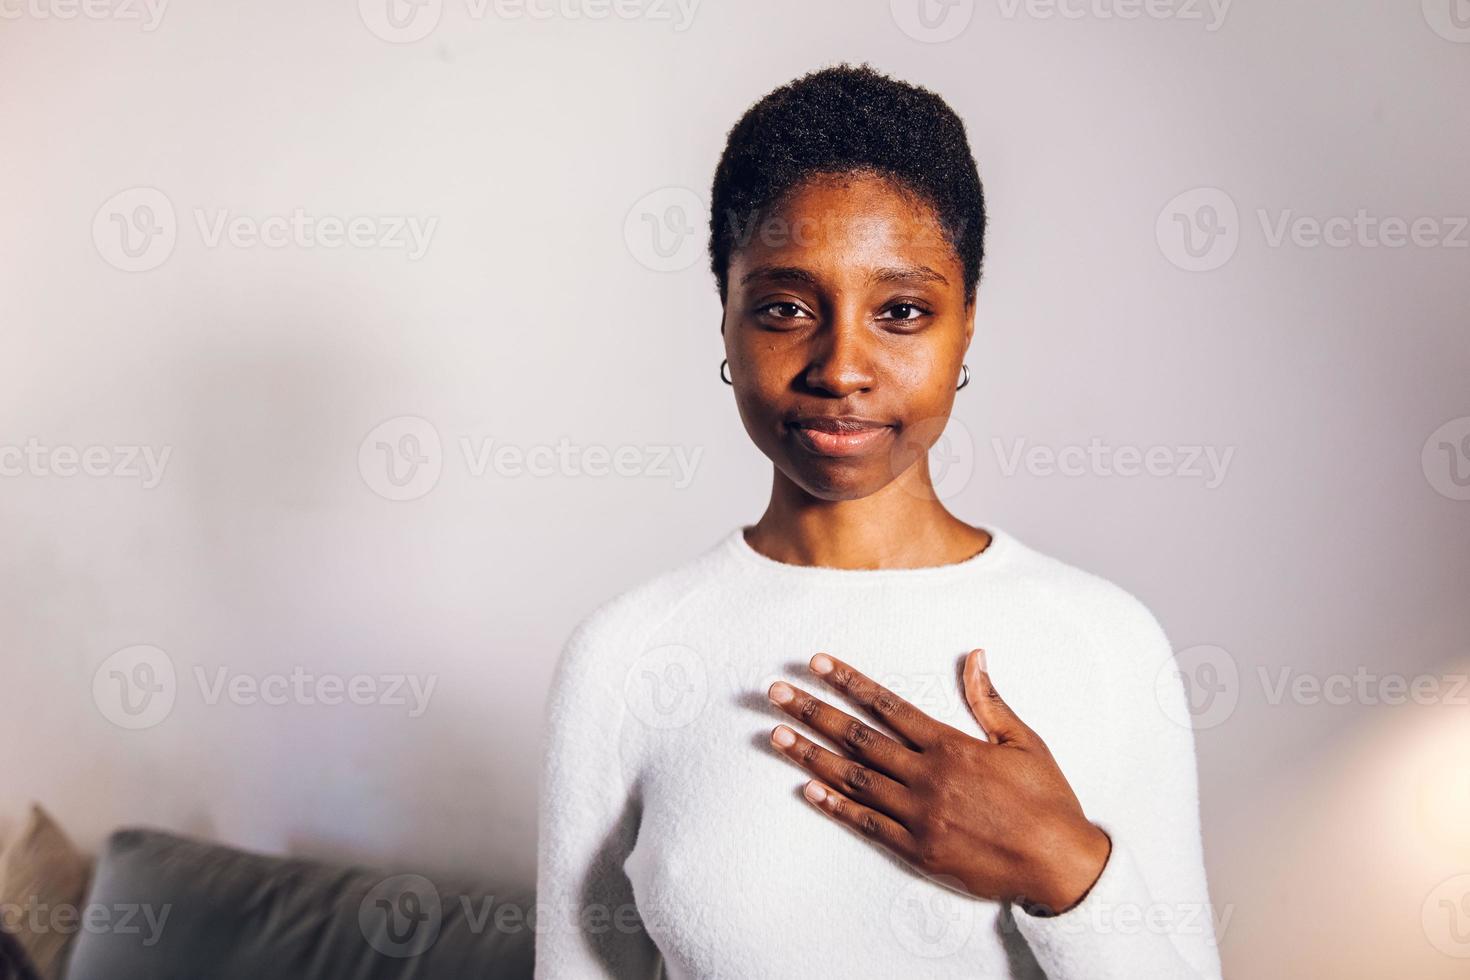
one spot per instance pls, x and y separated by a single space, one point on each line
171 908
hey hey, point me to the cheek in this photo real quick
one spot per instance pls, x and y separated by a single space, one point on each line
926 374
766 369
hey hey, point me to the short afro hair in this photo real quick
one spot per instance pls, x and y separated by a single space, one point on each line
843 120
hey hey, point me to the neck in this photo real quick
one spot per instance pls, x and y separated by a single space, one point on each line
894 527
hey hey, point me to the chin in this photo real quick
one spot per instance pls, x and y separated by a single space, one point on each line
839 481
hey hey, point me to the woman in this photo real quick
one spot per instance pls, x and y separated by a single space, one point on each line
932 831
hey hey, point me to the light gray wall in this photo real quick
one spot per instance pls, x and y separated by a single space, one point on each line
1334 543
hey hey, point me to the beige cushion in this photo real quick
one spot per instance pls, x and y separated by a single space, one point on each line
41 872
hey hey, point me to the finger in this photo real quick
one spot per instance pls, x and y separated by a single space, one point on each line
865 820
1000 723
861 741
914 725
855 780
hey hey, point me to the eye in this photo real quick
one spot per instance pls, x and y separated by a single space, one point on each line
782 310
906 312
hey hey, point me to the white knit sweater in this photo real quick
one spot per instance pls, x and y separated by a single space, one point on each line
675 842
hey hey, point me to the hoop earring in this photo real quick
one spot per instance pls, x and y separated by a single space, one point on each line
965 374
728 381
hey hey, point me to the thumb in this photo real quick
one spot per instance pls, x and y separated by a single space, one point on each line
1000 723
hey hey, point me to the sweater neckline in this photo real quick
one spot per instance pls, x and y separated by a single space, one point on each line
1000 544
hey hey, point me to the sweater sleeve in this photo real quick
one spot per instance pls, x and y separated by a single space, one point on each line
587 921
1148 916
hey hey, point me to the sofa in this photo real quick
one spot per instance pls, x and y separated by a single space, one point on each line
159 906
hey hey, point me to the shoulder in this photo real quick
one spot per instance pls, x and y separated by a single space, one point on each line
1109 642
606 640
1106 612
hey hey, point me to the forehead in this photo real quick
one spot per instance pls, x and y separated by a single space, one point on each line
842 227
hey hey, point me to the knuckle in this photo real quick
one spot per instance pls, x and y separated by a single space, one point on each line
948 750
886 705
859 777
868 823
809 709
858 735
808 753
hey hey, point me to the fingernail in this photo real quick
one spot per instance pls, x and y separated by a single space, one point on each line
822 663
980 660
781 693
815 792
783 736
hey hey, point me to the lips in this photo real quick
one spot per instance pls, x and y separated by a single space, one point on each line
839 435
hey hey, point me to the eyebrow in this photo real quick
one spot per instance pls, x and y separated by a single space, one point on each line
792 273
918 273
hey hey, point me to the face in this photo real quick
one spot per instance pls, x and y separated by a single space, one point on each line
845 327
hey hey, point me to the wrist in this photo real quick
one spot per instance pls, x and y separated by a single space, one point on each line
1073 868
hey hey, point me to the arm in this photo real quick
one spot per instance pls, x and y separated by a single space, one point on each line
1148 916
587 921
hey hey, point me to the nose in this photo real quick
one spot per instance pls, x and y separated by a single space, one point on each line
841 362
